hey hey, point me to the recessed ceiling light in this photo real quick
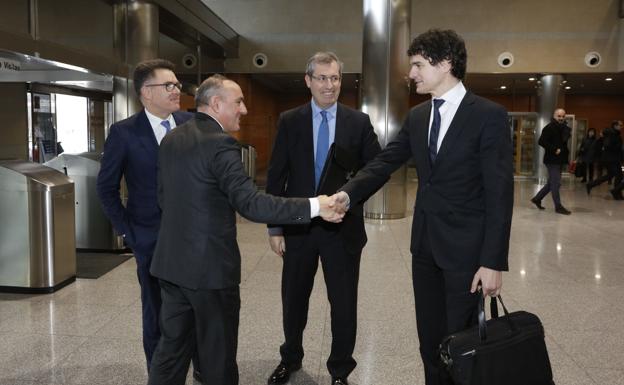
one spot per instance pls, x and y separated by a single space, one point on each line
567 87
503 87
609 79
531 79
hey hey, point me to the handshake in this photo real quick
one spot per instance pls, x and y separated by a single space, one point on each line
333 208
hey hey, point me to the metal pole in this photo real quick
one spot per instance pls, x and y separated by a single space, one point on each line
549 97
385 93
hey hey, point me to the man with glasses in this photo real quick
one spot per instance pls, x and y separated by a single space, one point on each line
131 152
303 138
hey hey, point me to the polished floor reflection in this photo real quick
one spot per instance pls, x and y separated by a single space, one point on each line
567 269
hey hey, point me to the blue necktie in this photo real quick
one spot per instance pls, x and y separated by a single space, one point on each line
322 146
435 130
167 126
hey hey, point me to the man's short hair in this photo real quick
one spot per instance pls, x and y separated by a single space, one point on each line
145 70
209 88
322 58
437 45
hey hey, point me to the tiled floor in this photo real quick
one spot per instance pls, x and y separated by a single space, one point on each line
567 269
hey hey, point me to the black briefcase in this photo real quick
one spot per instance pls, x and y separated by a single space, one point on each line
339 167
506 350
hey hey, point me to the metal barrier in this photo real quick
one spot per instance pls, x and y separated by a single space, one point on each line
37 236
93 229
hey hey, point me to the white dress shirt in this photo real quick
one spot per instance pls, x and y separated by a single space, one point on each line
159 129
452 98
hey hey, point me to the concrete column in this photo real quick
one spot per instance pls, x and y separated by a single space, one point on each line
385 93
135 39
550 96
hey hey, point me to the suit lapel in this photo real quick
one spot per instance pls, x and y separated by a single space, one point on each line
145 133
457 125
421 120
306 138
341 135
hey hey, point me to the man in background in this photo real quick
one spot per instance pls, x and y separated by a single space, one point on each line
612 160
554 140
303 139
131 152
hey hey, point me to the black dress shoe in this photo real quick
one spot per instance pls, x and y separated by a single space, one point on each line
281 374
339 381
563 210
537 203
197 376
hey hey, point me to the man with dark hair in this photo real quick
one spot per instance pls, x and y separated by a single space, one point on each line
131 152
554 140
462 149
303 139
612 159
201 184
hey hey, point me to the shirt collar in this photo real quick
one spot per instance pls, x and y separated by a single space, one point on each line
331 111
155 120
455 94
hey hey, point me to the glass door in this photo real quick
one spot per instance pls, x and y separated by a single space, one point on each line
522 125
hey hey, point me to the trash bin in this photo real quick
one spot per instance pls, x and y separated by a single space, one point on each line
94 231
37 236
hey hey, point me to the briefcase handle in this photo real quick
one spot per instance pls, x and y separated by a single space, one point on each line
493 313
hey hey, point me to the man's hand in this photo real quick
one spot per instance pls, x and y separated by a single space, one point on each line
491 281
342 201
278 245
558 151
329 210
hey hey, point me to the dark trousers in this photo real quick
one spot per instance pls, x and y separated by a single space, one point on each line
150 306
589 173
553 184
341 271
614 170
205 321
444 305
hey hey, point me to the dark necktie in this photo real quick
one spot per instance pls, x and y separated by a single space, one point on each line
322 146
167 125
435 130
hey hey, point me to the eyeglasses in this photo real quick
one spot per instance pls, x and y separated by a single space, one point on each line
169 86
322 78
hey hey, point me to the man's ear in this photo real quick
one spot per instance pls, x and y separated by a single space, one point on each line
145 93
445 65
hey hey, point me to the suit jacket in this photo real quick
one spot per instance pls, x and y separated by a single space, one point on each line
131 151
201 183
553 137
465 199
291 169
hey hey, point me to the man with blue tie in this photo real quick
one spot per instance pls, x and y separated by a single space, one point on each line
462 149
299 154
131 152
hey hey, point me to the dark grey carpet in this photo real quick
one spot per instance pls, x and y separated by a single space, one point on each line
95 265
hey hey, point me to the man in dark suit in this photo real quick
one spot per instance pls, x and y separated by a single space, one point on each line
201 184
303 138
131 152
554 140
612 159
461 146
